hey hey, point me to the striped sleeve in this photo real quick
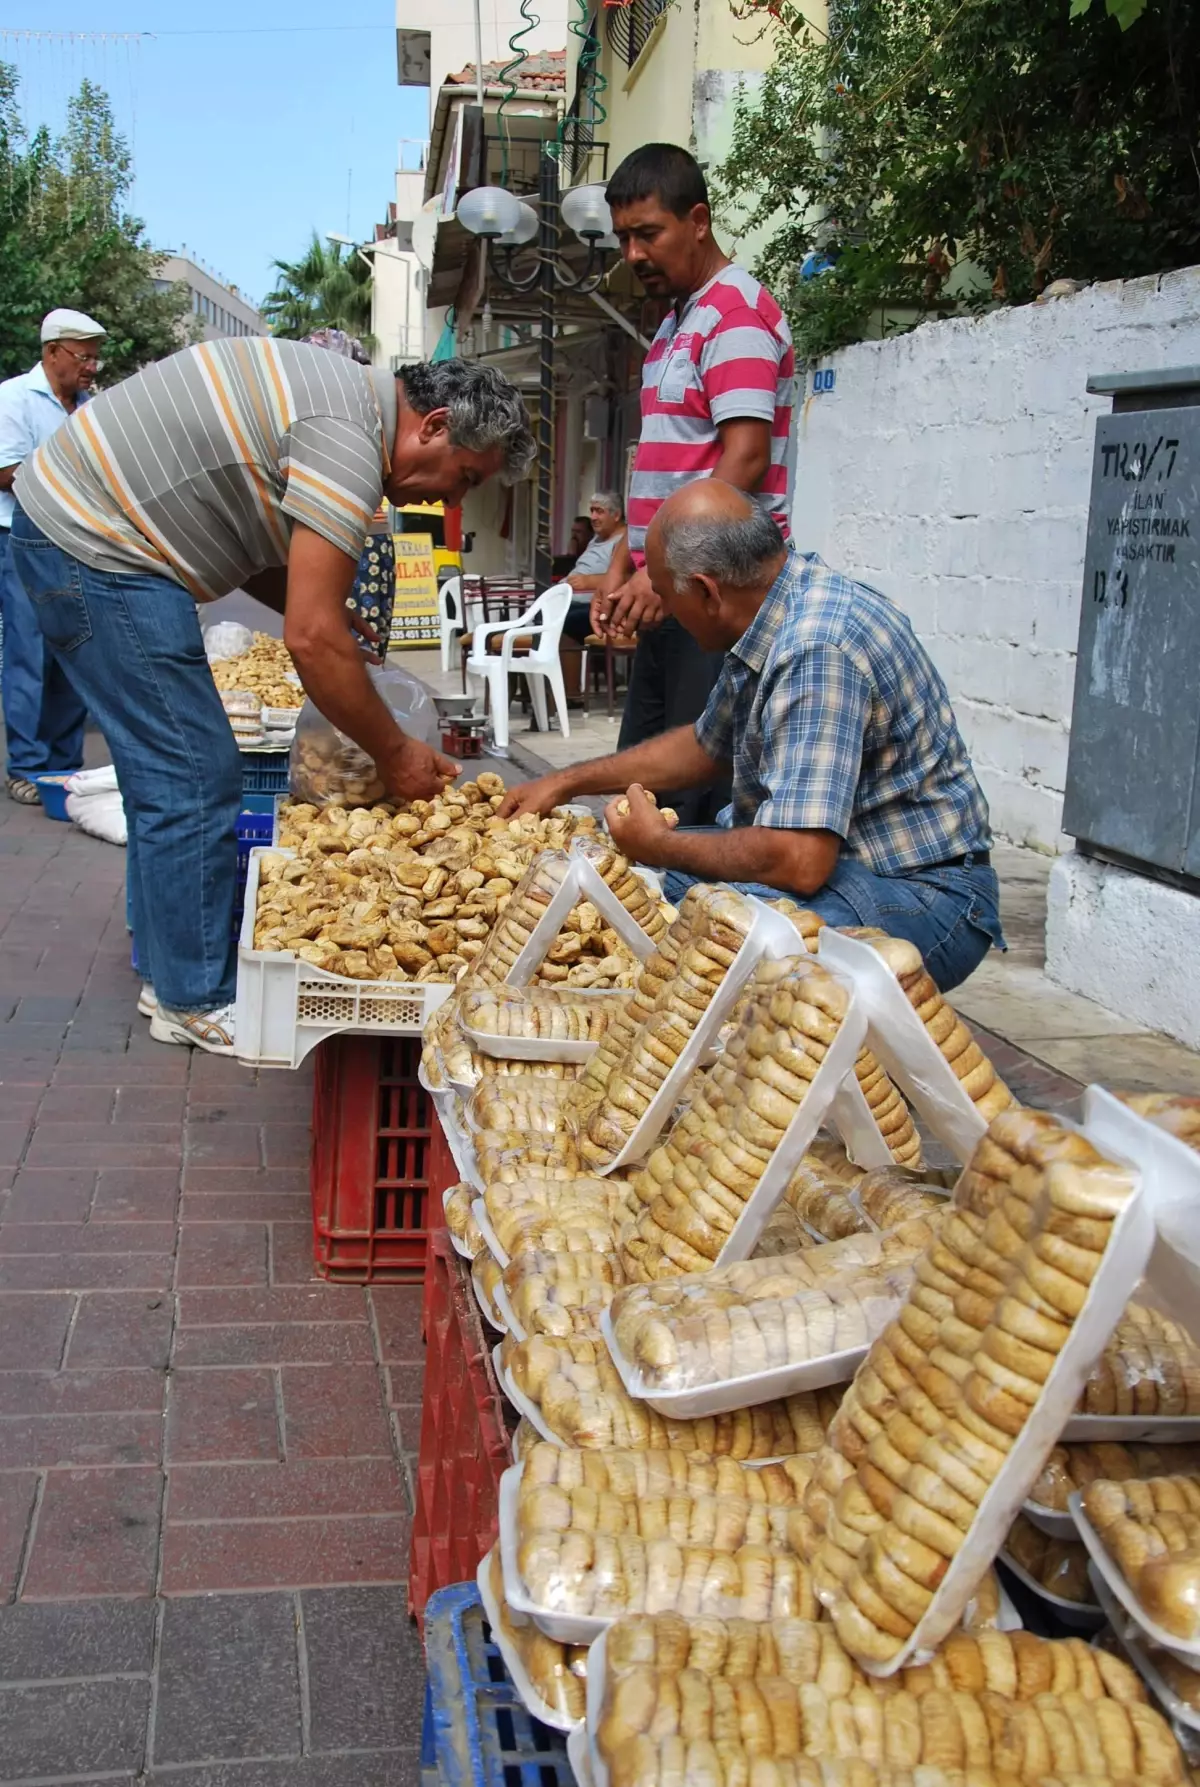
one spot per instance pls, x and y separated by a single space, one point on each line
739 367
333 479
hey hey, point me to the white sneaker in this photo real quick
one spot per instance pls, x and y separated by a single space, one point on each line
208 1030
147 1000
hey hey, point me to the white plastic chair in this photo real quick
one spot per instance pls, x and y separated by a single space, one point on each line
450 616
543 620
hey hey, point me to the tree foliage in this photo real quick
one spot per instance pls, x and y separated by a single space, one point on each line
66 238
953 153
324 289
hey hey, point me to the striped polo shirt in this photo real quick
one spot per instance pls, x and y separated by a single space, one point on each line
196 467
724 355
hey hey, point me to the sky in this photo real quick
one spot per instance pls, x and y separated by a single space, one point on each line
244 141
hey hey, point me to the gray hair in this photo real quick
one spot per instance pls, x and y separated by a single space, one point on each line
731 551
608 499
486 411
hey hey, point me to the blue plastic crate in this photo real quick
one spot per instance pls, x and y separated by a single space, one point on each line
477 1732
253 831
264 772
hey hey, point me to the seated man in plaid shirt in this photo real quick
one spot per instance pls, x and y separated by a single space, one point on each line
852 788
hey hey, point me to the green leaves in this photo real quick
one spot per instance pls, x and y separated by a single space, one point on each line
322 290
65 238
949 156
1126 12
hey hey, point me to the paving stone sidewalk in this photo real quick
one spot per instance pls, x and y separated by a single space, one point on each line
204 1455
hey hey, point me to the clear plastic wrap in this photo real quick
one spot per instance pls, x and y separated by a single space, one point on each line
744 1333
576 1559
580 1401
873 1118
600 1196
650 1728
1149 1533
1073 1467
1057 1569
525 1438
1175 1112
551 1678
464 1068
536 1023
950 1416
329 769
624 884
728 935
654 977
823 1201
485 1276
920 1040
527 1105
457 1202
529 901
557 1293
1173 1683
890 1195
506 1157
569 1228
1017 1666
727 1160
638 1476
1151 1366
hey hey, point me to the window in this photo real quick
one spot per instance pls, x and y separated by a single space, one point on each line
630 26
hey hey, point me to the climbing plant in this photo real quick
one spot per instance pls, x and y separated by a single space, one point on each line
926 156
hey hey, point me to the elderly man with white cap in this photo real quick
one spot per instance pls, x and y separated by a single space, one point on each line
43 716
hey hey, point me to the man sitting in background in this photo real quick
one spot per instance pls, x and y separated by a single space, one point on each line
591 568
852 788
565 563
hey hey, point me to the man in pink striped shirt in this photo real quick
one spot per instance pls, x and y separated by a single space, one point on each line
718 388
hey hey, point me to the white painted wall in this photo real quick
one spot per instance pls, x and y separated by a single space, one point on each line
951 467
397 305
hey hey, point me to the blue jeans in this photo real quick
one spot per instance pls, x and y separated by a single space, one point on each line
43 716
952 915
132 649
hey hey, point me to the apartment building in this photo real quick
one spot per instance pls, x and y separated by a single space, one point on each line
221 310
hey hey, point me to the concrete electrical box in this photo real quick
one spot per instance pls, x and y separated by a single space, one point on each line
1133 773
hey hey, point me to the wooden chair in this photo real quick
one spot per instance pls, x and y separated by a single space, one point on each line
615 651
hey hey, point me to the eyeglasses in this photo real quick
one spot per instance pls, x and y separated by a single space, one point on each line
83 359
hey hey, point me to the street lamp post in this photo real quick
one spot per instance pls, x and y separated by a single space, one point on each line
505 223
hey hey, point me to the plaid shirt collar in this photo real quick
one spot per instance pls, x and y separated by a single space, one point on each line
755 643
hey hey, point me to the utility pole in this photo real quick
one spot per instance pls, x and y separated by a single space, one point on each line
547 298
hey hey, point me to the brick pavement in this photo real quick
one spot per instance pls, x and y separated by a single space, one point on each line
204 1480
204 1454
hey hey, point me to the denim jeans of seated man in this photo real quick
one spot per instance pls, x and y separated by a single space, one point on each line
951 914
131 647
44 718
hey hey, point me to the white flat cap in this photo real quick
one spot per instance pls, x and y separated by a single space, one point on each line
71 325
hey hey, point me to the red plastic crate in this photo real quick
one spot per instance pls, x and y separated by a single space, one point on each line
379 1160
464 1435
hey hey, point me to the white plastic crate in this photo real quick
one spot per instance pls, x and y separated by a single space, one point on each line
285 1007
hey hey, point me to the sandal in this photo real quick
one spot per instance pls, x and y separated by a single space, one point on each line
23 791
